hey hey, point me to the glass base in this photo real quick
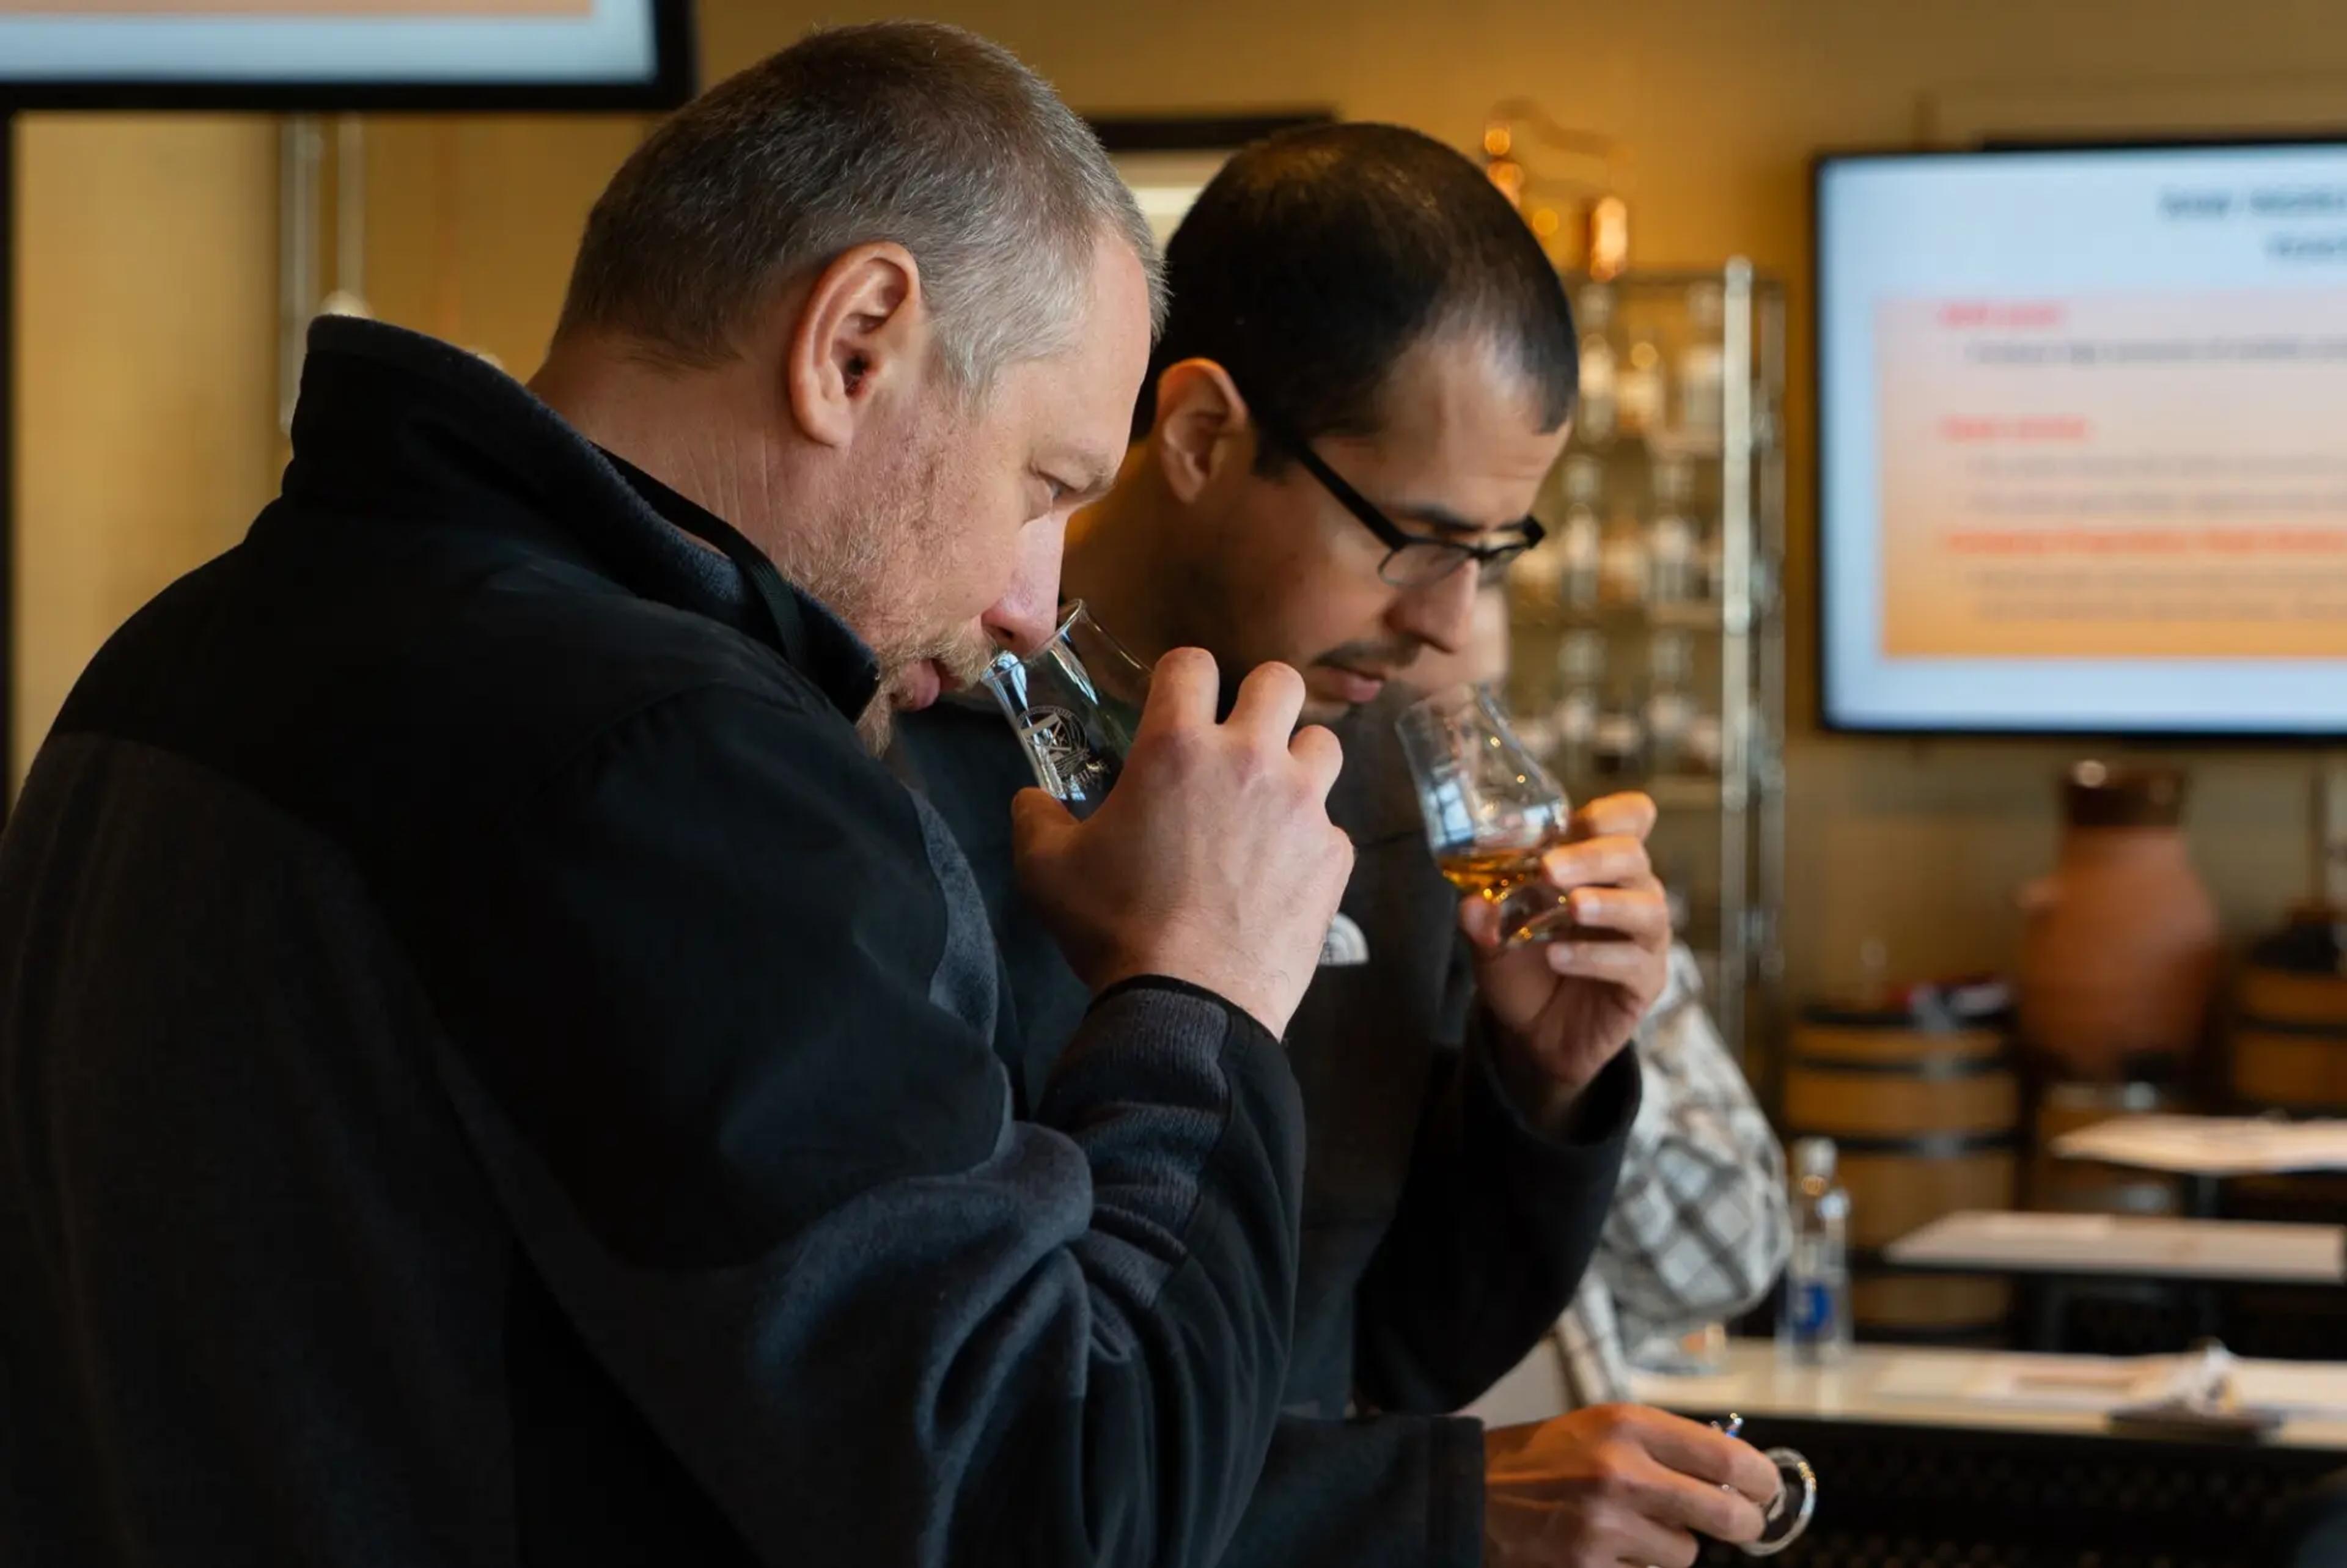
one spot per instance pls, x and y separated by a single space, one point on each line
1534 912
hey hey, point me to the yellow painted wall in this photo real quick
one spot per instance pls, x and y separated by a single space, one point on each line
146 323
1722 102
471 221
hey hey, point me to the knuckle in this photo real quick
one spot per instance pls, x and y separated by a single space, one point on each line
1182 752
1607 1530
1277 676
1340 853
1614 1467
1253 763
1186 661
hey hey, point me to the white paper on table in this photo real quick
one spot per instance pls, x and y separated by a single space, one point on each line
2096 1384
2211 1145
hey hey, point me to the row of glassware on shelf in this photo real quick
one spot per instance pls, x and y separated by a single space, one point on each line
1635 383
1586 728
1600 555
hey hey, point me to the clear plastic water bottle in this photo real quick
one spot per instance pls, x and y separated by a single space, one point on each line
1814 1327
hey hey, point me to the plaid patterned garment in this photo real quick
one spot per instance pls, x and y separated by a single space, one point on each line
1698 1229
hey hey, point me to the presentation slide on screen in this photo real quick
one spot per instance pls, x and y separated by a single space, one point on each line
546 41
2085 440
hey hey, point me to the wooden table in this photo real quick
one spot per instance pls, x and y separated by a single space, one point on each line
2174 1267
2134 1246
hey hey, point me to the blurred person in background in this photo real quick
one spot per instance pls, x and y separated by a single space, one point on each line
1367 373
492 1067
1697 1233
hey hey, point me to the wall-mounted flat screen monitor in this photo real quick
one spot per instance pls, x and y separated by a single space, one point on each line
2082 427
344 54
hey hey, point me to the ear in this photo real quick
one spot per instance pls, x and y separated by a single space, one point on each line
1200 420
862 332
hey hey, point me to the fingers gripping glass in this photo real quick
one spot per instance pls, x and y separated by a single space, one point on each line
1074 703
1490 809
1412 561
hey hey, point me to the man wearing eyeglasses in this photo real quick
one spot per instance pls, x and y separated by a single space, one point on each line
1368 372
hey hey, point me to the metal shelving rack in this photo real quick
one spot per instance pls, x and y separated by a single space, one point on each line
1682 381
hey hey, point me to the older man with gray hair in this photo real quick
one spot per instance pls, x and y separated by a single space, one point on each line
493 1071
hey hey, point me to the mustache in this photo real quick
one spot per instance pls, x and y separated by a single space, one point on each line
964 657
964 654
1390 654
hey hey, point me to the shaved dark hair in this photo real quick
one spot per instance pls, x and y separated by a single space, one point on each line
1318 257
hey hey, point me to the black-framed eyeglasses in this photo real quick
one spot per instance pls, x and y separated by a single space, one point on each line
1412 561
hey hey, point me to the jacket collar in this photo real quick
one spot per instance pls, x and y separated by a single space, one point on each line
394 423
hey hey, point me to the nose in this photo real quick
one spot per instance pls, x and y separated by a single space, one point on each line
1440 613
1027 614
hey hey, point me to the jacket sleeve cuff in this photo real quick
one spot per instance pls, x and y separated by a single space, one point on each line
1600 1119
1245 1028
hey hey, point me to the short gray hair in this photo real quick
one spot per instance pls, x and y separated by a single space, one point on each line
917 133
